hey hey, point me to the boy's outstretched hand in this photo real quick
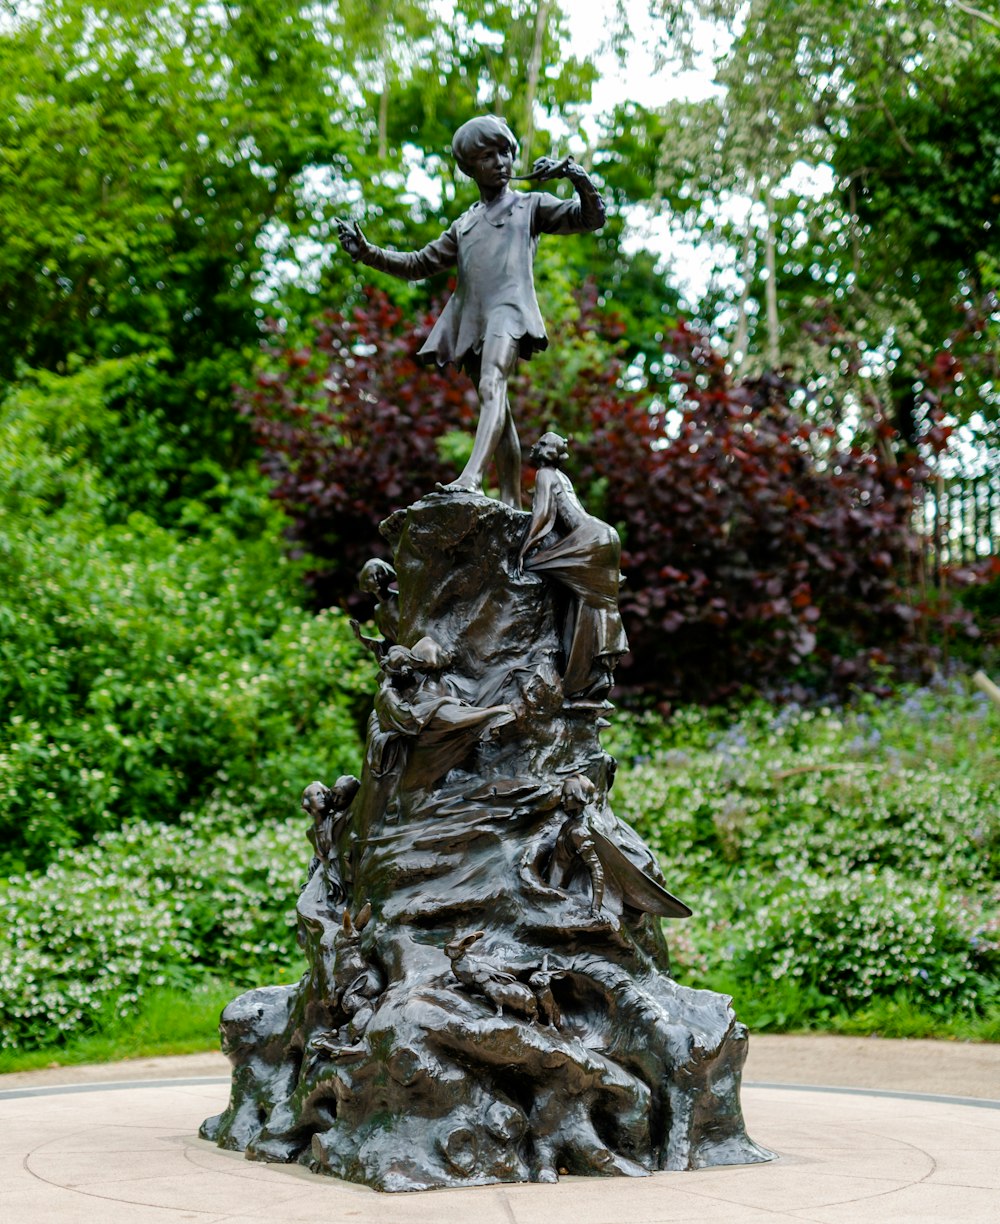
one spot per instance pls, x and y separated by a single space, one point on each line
352 239
550 167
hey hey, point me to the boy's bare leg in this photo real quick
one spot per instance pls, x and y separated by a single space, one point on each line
495 366
508 461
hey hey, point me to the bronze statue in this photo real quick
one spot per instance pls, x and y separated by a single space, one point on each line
376 579
404 1060
415 704
501 1007
357 985
498 985
329 809
585 559
492 318
576 841
540 982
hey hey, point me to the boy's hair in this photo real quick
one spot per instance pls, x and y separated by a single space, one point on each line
479 135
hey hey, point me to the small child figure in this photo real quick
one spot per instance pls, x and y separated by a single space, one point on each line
493 317
376 579
329 808
575 843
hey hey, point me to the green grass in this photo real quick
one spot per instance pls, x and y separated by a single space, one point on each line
169 1021
787 1007
901 1017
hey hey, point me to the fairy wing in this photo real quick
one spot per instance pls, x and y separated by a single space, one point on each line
638 890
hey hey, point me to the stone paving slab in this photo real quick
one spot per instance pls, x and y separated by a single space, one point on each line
943 1068
129 1154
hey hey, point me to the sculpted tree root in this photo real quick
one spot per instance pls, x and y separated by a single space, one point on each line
488 997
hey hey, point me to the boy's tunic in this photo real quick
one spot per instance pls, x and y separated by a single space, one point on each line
493 245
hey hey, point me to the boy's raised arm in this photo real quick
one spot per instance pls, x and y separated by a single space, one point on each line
407 265
577 216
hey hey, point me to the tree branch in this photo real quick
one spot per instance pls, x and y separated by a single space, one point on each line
971 11
983 682
534 68
907 147
771 285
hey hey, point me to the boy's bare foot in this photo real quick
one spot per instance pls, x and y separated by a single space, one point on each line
461 486
458 486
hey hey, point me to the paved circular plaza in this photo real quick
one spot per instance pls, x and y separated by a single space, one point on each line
127 1153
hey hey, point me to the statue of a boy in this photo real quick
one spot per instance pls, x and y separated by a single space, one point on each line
492 318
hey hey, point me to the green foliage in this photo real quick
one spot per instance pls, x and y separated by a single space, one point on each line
146 155
148 907
899 100
841 863
143 669
167 1021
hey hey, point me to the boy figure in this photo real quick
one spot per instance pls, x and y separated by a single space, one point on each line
492 318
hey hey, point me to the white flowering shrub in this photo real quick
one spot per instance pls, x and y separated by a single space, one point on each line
838 856
145 669
147 905
867 933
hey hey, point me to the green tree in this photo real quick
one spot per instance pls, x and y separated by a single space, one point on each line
145 151
145 670
899 98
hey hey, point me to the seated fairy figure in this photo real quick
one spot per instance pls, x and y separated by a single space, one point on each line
585 559
493 317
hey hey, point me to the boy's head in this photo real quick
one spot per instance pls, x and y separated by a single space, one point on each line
477 137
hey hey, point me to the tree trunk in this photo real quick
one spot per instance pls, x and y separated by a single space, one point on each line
742 337
534 69
771 285
383 117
